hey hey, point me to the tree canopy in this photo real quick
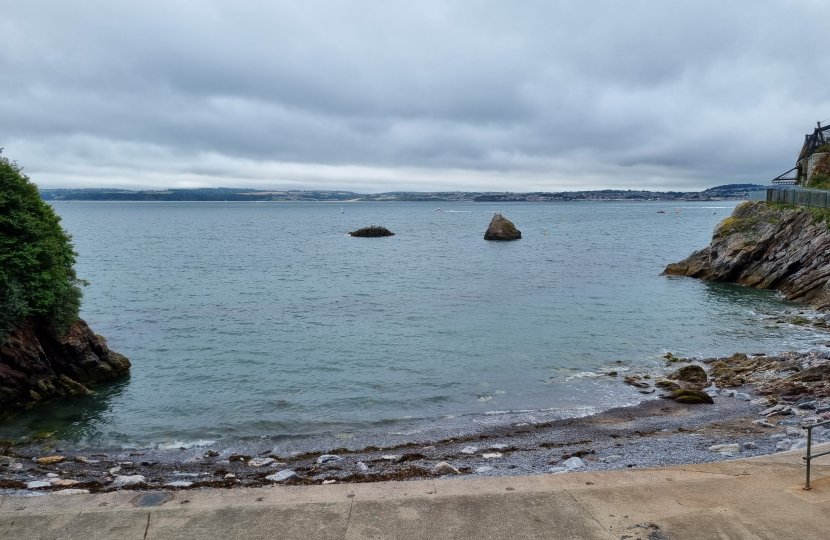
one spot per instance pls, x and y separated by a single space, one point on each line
37 277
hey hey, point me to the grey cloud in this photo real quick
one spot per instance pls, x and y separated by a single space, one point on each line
532 94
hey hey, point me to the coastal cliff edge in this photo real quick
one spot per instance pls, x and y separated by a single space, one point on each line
769 247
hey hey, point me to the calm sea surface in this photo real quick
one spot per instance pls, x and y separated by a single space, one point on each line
248 320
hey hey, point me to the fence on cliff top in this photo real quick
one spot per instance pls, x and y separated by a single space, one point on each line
811 198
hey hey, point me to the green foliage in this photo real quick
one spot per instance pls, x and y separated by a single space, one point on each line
819 181
37 278
820 215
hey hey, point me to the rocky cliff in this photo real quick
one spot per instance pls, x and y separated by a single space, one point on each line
35 366
769 247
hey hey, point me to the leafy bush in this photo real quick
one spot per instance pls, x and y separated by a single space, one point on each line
819 181
37 278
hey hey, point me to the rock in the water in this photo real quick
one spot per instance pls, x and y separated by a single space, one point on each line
501 228
36 366
445 468
690 374
725 448
282 476
690 397
372 232
132 480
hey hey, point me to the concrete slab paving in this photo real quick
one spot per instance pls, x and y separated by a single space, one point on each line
756 498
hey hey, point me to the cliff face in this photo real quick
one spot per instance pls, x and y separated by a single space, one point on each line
769 247
36 366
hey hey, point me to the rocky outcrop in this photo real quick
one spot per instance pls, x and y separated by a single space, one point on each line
372 231
501 228
769 247
36 366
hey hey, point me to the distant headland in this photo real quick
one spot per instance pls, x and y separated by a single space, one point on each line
725 192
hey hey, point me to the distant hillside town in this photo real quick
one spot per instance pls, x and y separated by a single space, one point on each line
719 193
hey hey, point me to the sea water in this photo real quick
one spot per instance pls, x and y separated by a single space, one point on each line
247 320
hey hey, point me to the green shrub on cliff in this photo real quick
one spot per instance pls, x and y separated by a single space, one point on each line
37 278
819 181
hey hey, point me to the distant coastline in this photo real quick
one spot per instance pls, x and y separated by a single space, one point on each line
718 193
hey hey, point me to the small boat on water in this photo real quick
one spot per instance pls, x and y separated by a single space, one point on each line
661 211
438 210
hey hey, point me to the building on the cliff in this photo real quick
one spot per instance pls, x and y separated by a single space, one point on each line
814 158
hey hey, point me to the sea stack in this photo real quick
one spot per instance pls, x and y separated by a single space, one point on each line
372 231
502 228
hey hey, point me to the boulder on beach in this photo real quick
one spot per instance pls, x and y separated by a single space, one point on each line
501 228
690 374
690 397
371 232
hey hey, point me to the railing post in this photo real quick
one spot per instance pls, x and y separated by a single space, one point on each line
809 444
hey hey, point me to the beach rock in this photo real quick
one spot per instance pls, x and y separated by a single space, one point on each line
635 380
778 436
724 376
5 460
132 480
484 469
690 374
573 463
445 468
689 397
328 482
73 491
391 457
798 445
469 450
81 459
211 453
52 475
179 483
50 460
768 247
263 462
35 366
742 396
794 431
557 470
667 385
499 446
37 484
783 444
492 455
229 476
725 448
372 232
648 391
64 482
326 458
283 476
728 393
750 446
611 459
362 467
501 228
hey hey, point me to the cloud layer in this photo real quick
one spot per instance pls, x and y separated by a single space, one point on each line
388 95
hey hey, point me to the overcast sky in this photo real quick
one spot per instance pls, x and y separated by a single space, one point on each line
420 95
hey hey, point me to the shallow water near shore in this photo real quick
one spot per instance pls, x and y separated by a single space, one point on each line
245 321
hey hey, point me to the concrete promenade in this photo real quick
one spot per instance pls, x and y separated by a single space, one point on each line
746 498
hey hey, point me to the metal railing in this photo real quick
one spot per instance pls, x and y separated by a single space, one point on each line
811 198
810 456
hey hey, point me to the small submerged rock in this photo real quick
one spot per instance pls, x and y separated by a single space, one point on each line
372 232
